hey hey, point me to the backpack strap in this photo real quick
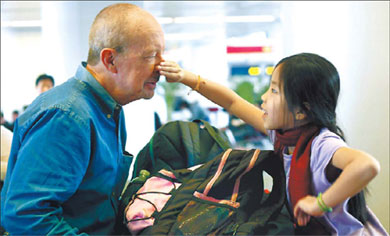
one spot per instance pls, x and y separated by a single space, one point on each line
151 151
218 139
218 173
151 155
237 183
192 146
250 166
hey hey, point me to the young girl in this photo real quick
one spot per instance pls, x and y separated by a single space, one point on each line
325 177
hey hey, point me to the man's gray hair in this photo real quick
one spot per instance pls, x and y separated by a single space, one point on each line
110 29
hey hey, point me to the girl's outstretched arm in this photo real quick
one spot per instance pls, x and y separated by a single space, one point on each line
359 169
216 93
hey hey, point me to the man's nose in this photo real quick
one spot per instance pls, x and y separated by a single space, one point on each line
159 59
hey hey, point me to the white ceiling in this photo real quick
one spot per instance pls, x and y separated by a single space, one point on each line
215 8
207 8
30 10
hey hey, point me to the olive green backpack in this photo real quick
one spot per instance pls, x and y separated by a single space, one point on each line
180 144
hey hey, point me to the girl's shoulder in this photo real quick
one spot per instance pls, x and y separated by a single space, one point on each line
327 139
323 147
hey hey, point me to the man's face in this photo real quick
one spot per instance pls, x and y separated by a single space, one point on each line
137 77
44 85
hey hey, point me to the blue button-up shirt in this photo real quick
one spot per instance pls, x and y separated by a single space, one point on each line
67 165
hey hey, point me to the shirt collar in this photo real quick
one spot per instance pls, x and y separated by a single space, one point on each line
104 99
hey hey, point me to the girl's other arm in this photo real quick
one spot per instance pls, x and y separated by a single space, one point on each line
359 168
216 93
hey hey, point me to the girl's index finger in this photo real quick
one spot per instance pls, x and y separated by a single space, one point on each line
168 63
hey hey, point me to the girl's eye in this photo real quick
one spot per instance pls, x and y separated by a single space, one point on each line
274 90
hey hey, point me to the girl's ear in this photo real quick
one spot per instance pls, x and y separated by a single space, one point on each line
300 115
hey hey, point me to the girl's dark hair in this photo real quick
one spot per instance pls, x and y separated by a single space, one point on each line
312 84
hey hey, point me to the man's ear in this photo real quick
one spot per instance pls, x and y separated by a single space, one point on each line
107 56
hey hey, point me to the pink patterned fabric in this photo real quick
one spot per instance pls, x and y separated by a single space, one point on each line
140 209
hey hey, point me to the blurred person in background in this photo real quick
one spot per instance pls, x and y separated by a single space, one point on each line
15 115
43 83
5 123
67 166
6 140
184 110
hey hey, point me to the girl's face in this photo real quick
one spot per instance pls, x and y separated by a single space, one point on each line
276 115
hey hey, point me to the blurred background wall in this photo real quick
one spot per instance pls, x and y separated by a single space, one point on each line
52 37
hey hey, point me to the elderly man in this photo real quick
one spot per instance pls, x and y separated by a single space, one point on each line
67 165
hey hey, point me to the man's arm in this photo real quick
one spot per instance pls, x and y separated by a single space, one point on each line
46 171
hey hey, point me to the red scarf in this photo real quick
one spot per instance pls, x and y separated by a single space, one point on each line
300 174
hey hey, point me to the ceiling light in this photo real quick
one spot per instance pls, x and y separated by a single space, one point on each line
198 19
259 18
220 19
165 20
21 23
184 36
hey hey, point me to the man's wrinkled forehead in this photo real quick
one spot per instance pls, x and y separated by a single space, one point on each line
143 32
148 41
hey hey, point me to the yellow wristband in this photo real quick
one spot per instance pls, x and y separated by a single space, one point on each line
198 84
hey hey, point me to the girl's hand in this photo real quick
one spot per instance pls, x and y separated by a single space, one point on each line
171 70
305 208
